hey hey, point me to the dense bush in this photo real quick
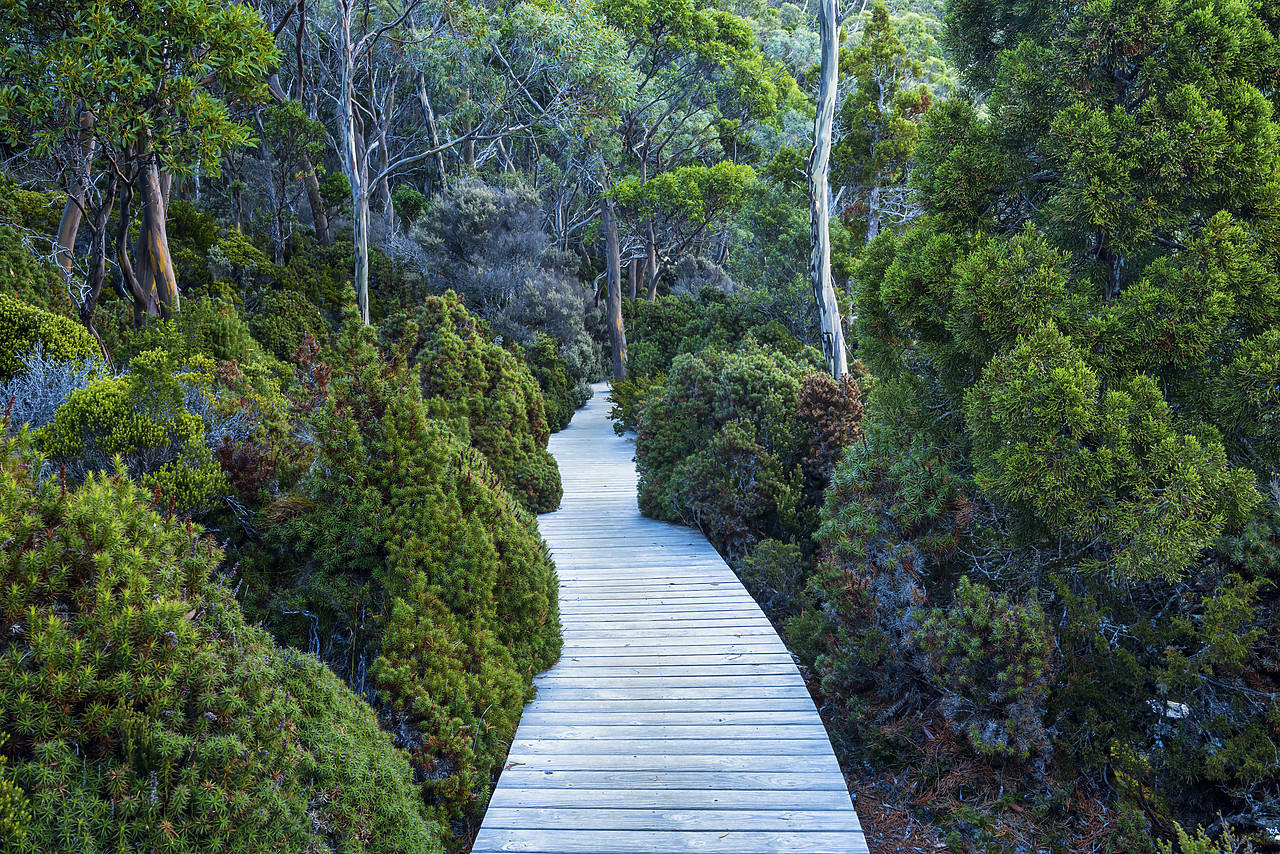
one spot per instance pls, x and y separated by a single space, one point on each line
990 657
150 417
486 244
403 562
721 445
33 280
143 713
485 392
283 319
560 394
23 326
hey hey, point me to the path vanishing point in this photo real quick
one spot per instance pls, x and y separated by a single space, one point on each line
676 720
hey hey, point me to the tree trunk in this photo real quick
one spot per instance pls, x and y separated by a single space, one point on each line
360 236
153 240
824 292
431 128
873 212
73 211
651 264
354 160
633 276
613 298
319 214
98 268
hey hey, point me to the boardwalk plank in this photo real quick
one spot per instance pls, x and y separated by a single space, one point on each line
676 720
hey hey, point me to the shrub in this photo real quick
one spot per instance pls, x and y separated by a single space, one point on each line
27 277
720 445
23 326
990 658
145 417
143 713
486 393
403 562
283 320
560 394
42 385
629 395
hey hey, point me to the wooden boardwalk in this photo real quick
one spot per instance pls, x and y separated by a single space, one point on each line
675 720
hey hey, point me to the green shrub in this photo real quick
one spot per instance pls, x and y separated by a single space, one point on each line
629 396
990 657
404 563
283 320
485 392
720 447
143 417
34 280
23 326
143 713
561 396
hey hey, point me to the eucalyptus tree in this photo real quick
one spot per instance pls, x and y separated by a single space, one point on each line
130 94
503 73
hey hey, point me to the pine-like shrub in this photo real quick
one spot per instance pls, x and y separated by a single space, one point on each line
720 446
485 392
561 395
990 657
144 714
22 326
403 562
283 320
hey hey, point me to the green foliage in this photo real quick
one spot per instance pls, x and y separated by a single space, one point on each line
1204 843
403 562
409 202
143 418
283 320
144 713
990 657
720 446
93 55
560 394
29 278
629 396
22 326
485 392
1097 462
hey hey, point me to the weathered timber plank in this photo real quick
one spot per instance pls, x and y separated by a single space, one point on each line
669 842
676 720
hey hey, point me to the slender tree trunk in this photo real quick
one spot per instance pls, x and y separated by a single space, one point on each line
651 264
73 210
873 212
319 214
824 292
613 297
633 276
354 160
431 128
98 268
384 181
145 300
153 238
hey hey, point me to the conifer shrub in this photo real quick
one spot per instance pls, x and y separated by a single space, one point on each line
22 326
404 563
560 394
990 657
720 445
485 392
143 713
283 320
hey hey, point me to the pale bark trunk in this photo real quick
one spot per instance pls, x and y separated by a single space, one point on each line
354 162
431 128
633 276
153 239
651 264
873 212
73 211
613 296
824 292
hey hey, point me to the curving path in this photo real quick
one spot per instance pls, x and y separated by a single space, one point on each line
675 720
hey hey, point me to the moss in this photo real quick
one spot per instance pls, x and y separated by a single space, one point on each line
22 326
486 393
145 714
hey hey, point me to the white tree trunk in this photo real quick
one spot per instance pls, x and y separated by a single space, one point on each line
824 292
